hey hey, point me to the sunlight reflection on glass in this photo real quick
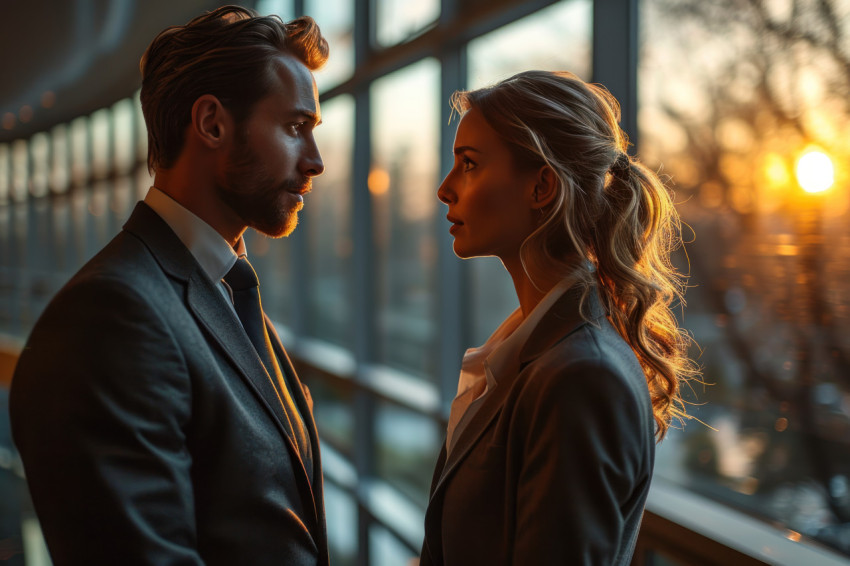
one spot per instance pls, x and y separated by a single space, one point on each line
405 137
815 172
327 226
336 19
734 114
282 8
397 20
557 38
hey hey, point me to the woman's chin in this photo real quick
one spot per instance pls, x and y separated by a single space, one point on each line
465 252
461 252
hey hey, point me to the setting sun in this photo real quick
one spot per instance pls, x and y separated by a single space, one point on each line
815 172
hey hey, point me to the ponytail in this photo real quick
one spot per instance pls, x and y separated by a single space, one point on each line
638 284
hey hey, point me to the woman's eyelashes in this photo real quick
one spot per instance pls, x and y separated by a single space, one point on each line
468 164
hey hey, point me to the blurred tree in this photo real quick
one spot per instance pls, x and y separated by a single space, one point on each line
732 92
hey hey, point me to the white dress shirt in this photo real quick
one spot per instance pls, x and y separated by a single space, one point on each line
499 355
206 245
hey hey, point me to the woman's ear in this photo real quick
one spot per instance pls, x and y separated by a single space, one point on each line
545 188
211 122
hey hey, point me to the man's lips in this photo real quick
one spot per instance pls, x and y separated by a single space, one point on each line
303 190
300 190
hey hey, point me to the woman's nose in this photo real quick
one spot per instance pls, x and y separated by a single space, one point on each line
444 193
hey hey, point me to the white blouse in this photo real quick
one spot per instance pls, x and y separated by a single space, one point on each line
495 357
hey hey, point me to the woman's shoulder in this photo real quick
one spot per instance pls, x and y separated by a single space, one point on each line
591 363
594 346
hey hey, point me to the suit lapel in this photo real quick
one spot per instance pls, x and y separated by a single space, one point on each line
306 410
561 320
210 309
217 319
490 407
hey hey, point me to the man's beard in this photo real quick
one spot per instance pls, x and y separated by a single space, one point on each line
262 203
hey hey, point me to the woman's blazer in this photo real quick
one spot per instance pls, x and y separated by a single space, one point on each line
555 466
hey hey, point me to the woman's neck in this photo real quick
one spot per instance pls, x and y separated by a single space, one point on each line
527 292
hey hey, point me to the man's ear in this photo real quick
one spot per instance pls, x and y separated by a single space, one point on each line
211 122
545 188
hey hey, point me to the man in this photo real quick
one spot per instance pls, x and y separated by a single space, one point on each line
156 412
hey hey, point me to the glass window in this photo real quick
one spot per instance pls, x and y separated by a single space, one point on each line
657 558
20 170
7 276
407 445
332 411
731 101
386 550
143 180
60 174
79 222
282 8
341 513
80 150
123 116
493 297
5 172
557 38
336 20
101 139
403 184
60 221
327 221
398 20
121 201
15 506
40 155
272 259
141 130
98 231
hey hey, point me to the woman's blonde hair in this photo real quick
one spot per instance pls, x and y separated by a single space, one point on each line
612 223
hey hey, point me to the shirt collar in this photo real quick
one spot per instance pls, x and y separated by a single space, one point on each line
505 356
206 245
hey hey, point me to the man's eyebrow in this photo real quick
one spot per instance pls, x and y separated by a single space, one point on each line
308 115
463 148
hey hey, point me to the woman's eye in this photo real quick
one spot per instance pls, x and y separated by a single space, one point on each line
468 164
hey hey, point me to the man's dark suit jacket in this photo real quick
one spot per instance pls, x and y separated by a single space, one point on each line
555 465
149 430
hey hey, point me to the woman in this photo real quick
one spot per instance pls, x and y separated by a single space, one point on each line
550 446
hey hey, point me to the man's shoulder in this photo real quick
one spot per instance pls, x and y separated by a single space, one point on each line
127 257
124 266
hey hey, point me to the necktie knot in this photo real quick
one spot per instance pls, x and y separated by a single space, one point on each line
241 276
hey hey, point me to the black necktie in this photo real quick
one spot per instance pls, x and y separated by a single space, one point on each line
242 280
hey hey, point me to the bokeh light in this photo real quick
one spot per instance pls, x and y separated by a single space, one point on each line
815 172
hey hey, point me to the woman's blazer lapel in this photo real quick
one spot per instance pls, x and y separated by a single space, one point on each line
561 320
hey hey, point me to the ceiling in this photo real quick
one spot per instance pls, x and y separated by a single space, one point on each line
60 59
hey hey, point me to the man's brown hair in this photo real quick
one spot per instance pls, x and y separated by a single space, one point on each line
226 53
